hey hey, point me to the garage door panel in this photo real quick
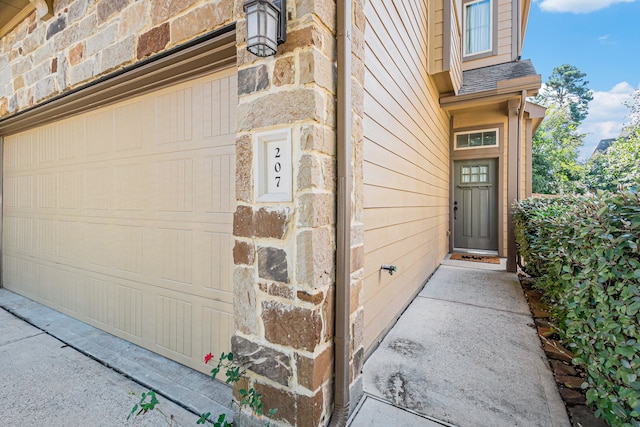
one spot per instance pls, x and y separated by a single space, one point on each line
123 217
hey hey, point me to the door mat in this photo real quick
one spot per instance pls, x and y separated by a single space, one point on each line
476 258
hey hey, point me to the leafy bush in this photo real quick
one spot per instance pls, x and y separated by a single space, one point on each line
585 251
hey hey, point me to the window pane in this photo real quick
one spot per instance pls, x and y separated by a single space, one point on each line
475 140
462 140
477 27
489 138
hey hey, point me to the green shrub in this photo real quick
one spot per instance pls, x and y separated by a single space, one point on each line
585 251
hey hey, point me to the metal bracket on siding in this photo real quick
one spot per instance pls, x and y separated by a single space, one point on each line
390 268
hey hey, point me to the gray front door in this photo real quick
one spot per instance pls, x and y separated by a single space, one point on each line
474 208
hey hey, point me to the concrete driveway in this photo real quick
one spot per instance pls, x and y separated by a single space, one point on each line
47 383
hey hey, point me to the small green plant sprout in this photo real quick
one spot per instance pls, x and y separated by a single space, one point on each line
249 398
142 407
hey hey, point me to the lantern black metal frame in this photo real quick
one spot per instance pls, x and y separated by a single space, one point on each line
281 27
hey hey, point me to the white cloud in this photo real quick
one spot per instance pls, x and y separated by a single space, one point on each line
577 6
607 116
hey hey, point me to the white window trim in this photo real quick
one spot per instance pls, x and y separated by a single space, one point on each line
464 29
455 139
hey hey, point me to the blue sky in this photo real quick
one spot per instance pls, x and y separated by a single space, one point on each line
602 39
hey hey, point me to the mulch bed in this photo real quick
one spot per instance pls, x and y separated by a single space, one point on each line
568 378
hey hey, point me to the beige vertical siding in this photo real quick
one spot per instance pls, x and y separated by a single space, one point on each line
122 217
406 162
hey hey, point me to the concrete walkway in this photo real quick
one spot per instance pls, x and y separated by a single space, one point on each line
464 353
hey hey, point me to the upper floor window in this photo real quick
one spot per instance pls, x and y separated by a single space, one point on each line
477 17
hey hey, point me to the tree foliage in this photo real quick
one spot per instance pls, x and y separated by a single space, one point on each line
618 167
555 155
567 88
556 169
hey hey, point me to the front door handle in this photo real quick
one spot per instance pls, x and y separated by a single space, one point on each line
455 210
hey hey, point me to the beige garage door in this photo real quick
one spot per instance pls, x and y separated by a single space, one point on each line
122 217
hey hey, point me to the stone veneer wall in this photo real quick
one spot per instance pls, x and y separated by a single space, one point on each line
285 253
87 39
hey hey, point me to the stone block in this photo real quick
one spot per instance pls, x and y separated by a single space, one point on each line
278 290
294 409
318 138
37 73
328 314
271 223
34 40
162 10
153 41
101 40
253 79
244 301
285 107
317 68
572 397
316 209
44 53
76 54
244 168
315 257
357 258
55 26
262 360
284 72
291 326
355 300
45 88
243 253
357 331
357 364
357 99
243 225
81 72
313 298
133 19
205 18
117 55
309 172
272 264
325 10
583 416
18 83
106 8
77 10
313 372
4 107
300 38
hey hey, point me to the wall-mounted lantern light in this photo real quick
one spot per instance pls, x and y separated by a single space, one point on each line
266 26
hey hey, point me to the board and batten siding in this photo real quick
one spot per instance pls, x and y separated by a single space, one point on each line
122 217
406 163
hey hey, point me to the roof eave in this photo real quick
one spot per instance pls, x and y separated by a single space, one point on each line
506 89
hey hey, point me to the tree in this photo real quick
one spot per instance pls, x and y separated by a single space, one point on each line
556 142
618 167
555 155
567 88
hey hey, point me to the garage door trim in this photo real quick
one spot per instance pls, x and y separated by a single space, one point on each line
200 56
